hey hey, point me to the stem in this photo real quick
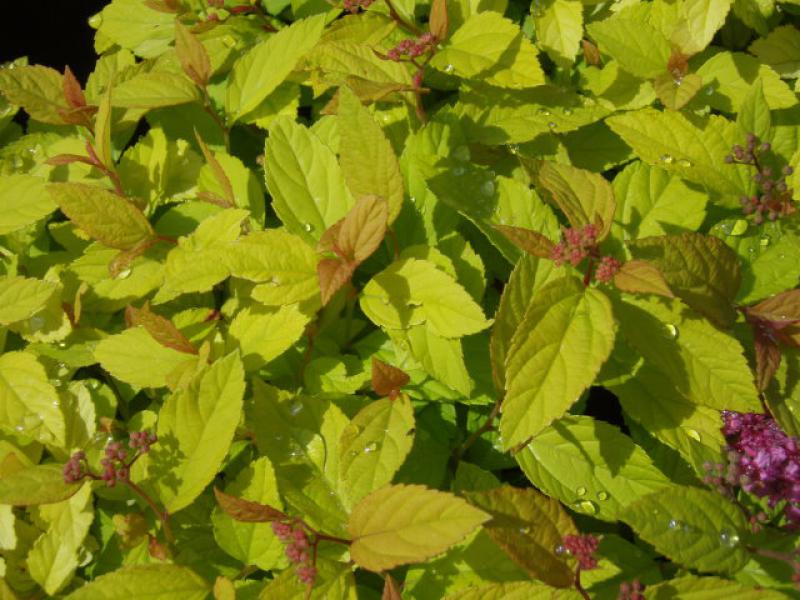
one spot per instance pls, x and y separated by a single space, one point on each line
162 515
578 585
209 108
782 556
487 425
395 242
410 27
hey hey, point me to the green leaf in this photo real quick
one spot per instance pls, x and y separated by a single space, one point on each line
199 424
149 582
700 269
563 340
54 557
730 75
403 524
23 201
583 196
773 270
368 161
516 590
489 46
37 89
590 466
442 358
652 202
695 527
283 265
694 150
691 587
259 72
409 292
675 93
101 214
133 25
40 484
306 183
29 404
639 47
251 543
705 364
698 21
780 49
155 89
262 334
374 445
134 357
529 526
754 116
21 298
529 276
559 28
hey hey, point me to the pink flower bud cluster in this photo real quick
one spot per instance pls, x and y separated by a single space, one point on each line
762 460
298 549
774 198
582 547
412 48
115 463
352 6
578 244
75 468
631 591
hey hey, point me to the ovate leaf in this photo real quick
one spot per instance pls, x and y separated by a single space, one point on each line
198 423
697 528
22 297
103 215
37 89
403 524
780 49
259 72
374 445
40 484
565 337
307 186
154 582
368 161
22 201
639 47
641 277
529 526
559 28
155 89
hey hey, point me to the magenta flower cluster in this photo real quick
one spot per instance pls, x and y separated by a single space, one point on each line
412 48
577 244
582 547
352 6
763 460
631 591
298 548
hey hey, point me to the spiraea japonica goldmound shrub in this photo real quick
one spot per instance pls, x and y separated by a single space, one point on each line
462 299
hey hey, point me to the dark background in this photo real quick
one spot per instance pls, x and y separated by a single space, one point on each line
50 32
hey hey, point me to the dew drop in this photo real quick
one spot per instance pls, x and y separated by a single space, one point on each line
459 171
551 124
449 69
413 200
586 506
308 227
764 241
525 530
124 274
545 112
684 163
674 524
560 550
35 323
666 159
602 495
487 189
371 447
62 344
295 408
56 403
709 90
567 111
462 153
19 428
728 538
739 227
672 330
694 434
581 491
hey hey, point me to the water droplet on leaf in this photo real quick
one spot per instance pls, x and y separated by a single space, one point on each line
462 153
674 524
308 227
694 434
295 408
602 495
487 189
449 69
124 274
581 491
586 506
739 227
672 330
459 171
666 159
684 163
764 241
371 447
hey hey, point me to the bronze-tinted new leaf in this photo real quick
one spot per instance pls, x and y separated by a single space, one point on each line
363 228
161 329
246 510
192 55
641 277
768 356
780 307
123 261
532 242
73 93
386 379
333 274
391 589
219 173
439 22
